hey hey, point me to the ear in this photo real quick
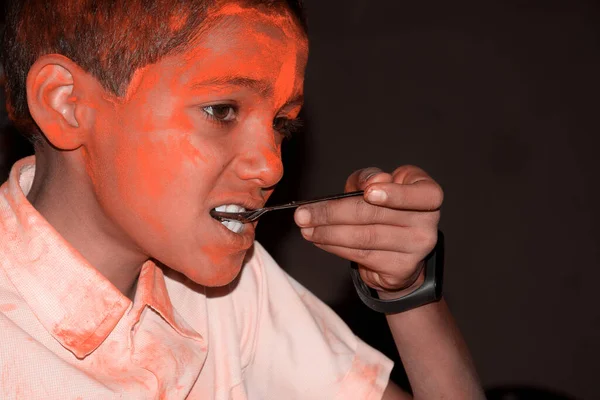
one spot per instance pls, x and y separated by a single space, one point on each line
56 94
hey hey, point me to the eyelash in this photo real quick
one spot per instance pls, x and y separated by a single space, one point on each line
290 126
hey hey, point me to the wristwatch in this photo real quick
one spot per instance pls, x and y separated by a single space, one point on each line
430 291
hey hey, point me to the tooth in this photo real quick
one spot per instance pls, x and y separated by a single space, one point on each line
221 208
231 208
237 227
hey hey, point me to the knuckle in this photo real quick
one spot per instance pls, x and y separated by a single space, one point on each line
402 272
328 213
425 239
363 254
403 169
437 196
365 274
408 173
398 261
365 236
365 212
320 213
319 235
430 219
392 281
327 235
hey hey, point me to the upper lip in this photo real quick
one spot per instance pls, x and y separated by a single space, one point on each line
248 202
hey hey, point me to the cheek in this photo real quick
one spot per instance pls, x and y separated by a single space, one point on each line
153 175
164 156
157 165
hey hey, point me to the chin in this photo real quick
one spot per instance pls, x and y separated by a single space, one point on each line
213 273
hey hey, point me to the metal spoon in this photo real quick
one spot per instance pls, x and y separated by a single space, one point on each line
250 216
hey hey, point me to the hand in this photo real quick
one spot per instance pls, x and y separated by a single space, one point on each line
388 232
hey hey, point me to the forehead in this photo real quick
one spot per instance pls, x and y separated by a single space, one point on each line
238 41
236 38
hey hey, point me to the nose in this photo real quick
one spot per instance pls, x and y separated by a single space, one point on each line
260 162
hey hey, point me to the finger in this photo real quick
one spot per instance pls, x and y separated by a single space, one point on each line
360 179
396 269
374 237
408 174
356 211
423 195
393 281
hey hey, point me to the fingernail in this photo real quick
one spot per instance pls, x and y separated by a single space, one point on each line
307 232
303 216
372 174
377 196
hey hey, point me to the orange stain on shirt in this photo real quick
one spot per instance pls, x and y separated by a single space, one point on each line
7 307
367 372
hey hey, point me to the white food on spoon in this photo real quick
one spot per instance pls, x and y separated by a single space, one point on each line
234 226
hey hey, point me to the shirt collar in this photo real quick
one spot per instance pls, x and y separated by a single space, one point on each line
152 292
76 304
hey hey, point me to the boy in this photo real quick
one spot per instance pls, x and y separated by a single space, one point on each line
116 282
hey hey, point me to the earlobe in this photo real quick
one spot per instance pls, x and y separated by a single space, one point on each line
51 101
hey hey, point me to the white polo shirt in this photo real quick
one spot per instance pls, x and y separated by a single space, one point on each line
67 333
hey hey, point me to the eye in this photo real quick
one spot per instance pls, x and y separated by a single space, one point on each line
221 112
286 126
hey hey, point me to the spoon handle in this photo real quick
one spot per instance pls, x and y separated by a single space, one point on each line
250 216
295 204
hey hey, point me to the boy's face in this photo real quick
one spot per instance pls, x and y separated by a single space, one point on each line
194 132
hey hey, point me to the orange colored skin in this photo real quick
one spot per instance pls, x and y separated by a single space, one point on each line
140 173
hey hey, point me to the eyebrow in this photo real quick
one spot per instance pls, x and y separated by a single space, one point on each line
262 87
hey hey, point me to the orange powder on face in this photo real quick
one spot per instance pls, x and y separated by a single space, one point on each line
219 260
155 145
142 78
287 79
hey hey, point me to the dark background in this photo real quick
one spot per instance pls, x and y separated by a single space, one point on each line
499 102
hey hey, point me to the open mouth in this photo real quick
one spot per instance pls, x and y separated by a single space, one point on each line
233 226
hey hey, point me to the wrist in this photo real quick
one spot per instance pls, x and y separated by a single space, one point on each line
426 289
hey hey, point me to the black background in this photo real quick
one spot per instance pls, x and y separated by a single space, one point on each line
499 102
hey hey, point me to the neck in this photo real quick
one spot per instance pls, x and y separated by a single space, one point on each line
63 194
